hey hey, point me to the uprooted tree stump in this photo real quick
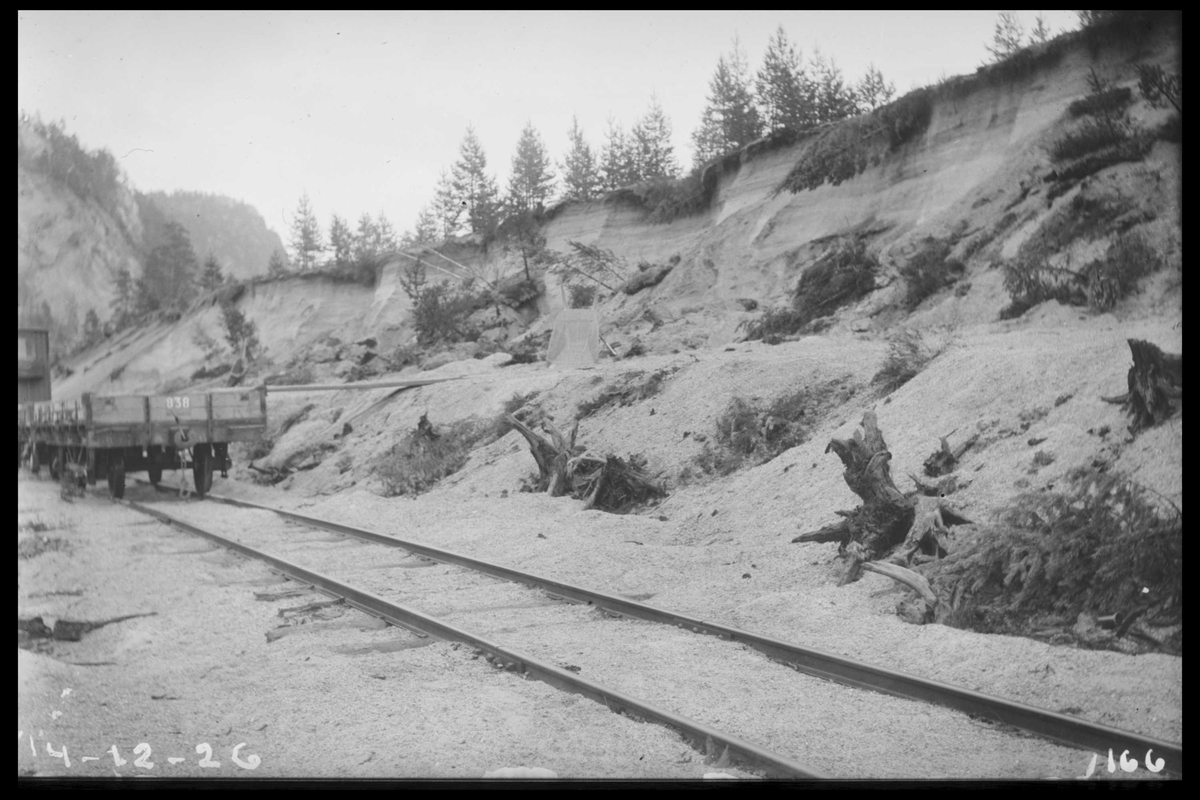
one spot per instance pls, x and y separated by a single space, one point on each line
886 514
551 455
908 528
605 482
1155 383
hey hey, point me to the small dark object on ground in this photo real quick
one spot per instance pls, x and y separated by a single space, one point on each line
66 630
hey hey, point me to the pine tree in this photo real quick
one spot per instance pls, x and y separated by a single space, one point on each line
122 302
730 119
1041 31
210 276
341 241
277 266
707 141
616 158
385 236
145 300
834 99
873 91
241 333
654 156
426 232
474 187
1007 36
170 271
366 240
785 93
532 180
306 235
447 207
581 176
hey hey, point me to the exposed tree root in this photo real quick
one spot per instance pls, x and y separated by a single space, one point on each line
891 530
605 482
1155 385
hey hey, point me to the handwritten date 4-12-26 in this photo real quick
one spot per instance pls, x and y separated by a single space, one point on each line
143 752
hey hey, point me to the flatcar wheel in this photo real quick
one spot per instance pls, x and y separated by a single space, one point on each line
116 479
56 464
202 469
155 475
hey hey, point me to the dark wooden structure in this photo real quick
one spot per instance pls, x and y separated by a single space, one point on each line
33 365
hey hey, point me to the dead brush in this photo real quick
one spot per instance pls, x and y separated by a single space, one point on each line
929 270
1104 546
1101 284
424 456
34 546
612 484
633 388
752 432
844 273
909 352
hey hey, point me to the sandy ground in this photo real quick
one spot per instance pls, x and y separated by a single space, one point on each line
718 683
319 704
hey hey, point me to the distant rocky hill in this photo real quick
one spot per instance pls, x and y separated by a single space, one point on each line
77 226
229 229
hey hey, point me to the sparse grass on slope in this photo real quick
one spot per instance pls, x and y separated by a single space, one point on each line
632 388
751 432
423 457
929 270
909 352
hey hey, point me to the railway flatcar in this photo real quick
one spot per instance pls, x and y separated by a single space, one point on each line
99 437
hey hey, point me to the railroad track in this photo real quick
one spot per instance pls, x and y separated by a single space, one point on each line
480 603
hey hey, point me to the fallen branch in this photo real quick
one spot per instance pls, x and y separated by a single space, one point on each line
274 476
912 580
839 532
67 630
307 607
918 610
946 459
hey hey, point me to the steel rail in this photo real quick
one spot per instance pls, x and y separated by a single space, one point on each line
1047 724
698 734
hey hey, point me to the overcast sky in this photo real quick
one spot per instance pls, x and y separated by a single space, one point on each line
363 111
